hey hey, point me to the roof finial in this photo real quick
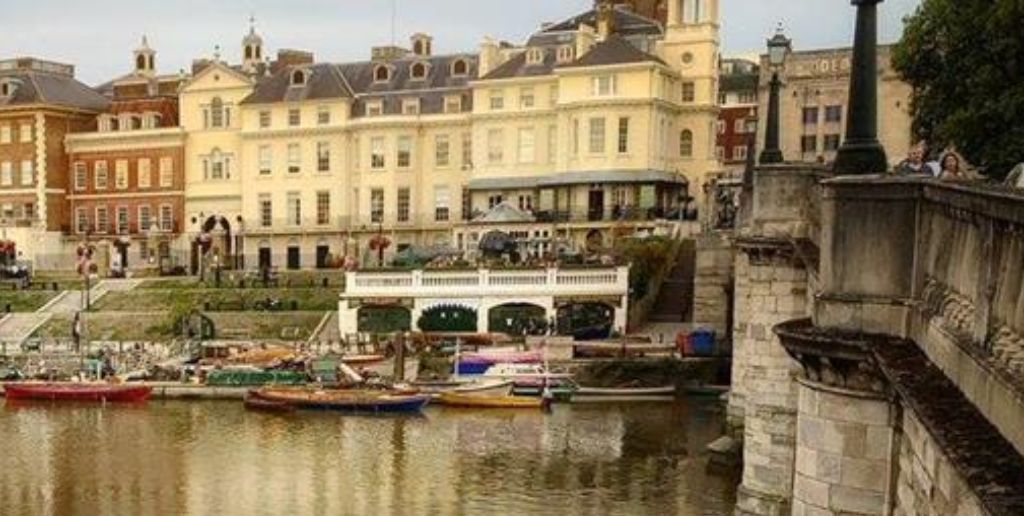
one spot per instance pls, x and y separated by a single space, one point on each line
252 24
779 29
216 52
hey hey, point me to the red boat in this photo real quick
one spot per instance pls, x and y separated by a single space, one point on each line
96 392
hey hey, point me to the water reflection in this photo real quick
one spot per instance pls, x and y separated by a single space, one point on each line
202 458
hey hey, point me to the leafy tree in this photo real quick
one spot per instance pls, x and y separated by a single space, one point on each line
965 61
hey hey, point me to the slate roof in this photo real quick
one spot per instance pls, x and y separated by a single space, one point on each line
612 51
431 90
38 87
517 67
627 23
323 81
738 82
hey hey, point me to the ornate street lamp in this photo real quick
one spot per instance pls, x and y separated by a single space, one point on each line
861 152
779 48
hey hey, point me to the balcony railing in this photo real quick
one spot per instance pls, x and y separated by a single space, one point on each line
478 282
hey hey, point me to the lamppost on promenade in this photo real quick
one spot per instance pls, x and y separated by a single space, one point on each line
778 49
861 152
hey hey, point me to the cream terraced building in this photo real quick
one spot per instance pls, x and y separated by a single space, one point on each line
597 126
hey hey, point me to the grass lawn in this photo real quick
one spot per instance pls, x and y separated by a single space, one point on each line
127 326
25 300
225 299
229 279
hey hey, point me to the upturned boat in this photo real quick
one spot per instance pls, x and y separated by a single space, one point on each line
360 401
452 399
68 391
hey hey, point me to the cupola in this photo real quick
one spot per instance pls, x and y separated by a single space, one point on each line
252 48
422 44
145 59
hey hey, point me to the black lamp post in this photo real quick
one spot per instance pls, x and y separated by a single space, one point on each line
778 49
748 171
861 152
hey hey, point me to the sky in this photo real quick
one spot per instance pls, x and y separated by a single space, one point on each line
98 36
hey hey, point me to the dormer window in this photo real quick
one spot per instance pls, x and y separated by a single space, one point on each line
565 54
150 120
8 87
534 56
381 74
299 78
374 108
418 71
460 68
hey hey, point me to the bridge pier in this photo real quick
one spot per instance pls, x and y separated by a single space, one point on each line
774 290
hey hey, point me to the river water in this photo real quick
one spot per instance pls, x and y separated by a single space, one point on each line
172 457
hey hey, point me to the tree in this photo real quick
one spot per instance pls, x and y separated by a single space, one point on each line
965 61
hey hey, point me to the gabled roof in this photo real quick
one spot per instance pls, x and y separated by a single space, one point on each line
234 71
37 87
613 51
627 23
323 81
505 212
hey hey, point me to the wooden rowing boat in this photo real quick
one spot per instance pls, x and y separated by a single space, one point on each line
67 391
452 399
360 401
256 403
666 390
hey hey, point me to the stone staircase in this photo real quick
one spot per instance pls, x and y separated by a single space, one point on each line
17 327
675 297
70 301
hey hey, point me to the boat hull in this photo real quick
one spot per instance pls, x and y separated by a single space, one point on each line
346 401
667 390
451 399
78 392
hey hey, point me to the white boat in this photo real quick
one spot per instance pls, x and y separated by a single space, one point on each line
477 387
527 373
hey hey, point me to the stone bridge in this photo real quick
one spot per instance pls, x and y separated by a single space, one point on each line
878 345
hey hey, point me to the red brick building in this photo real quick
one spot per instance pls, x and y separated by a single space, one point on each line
737 98
127 178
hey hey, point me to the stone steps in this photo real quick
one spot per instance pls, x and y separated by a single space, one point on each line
17 327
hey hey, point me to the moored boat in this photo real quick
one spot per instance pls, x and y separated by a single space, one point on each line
361 401
453 399
469 387
666 390
67 391
254 402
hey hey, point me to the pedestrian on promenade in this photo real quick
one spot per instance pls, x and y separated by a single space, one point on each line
914 165
952 170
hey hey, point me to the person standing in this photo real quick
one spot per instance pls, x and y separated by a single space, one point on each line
951 168
914 165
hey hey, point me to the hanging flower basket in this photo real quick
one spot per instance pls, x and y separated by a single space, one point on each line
379 242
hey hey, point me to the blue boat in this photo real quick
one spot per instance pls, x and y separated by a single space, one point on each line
353 401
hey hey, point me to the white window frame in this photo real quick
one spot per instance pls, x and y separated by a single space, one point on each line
378 153
144 171
323 157
144 223
265 156
323 207
25 132
495 146
81 171
496 100
27 173
166 172
121 171
101 172
166 217
604 85
403 151
6 173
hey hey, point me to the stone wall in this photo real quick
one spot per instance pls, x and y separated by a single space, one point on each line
713 282
927 482
774 290
843 446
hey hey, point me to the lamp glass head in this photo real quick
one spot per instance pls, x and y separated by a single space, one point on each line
778 48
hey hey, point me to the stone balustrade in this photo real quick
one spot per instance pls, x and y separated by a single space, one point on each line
563 281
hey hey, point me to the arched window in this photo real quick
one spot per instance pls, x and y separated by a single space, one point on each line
140 62
686 143
217 112
298 78
248 52
381 74
417 48
418 71
460 67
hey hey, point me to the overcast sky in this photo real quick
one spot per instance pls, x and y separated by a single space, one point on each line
98 35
